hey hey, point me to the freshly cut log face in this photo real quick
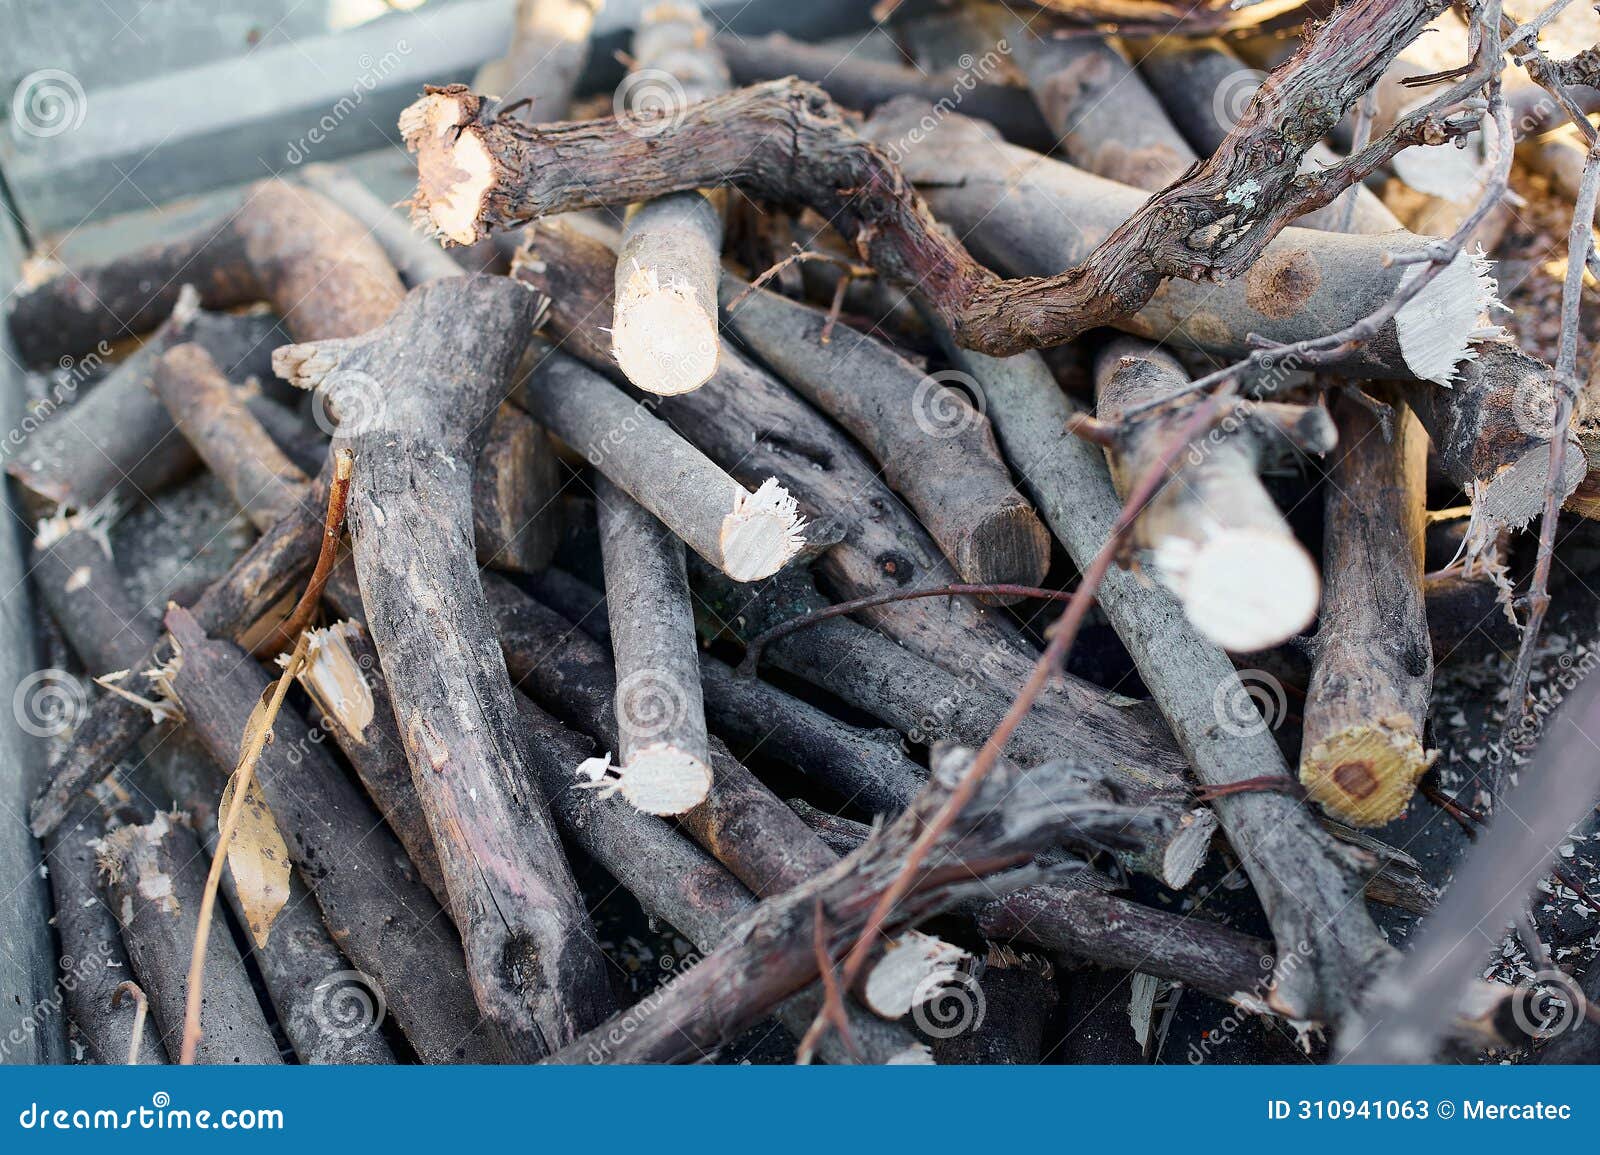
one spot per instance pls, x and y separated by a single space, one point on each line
1213 532
748 536
664 762
664 325
664 329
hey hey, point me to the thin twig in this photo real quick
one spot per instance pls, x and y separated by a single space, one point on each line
332 530
1566 385
754 648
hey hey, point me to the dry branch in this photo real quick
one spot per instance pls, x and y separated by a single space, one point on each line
232 444
1215 536
1025 214
746 535
664 324
445 360
935 448
516 490
663 763
785 141
415 257
1362 752
300 953
313 262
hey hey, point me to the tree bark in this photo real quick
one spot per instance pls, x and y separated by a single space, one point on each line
662 761
446 359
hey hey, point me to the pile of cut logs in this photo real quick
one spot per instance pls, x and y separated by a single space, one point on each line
923 549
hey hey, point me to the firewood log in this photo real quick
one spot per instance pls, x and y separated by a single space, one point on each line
936 450
315 264
664 323
154 875
445 360
663 764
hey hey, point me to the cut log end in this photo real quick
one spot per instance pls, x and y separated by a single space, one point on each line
661 779
663 336
1248 590
1011 545
911 972
1515 495
762 533
1436 328
454 169
1365 774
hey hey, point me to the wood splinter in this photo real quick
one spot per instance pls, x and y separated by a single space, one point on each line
748 536
1214 535
663 762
